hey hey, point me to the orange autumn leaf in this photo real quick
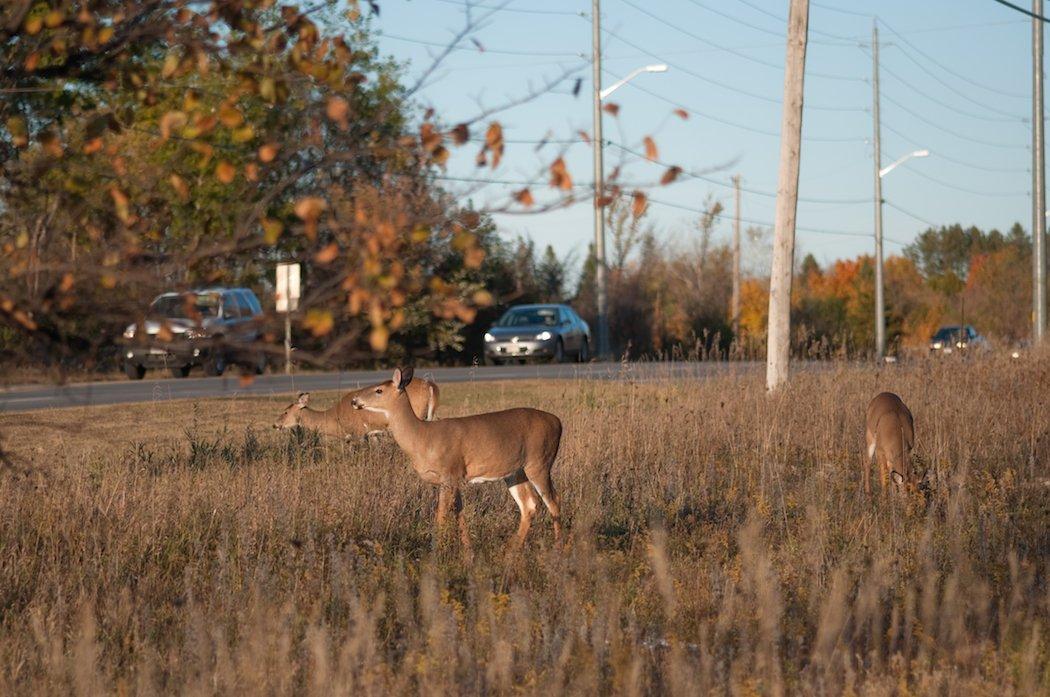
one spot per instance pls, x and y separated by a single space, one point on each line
524 197
612 108
225 172
268 151
560 178
638 204
460 134
651 152
328 254
379 338
681 113
670 175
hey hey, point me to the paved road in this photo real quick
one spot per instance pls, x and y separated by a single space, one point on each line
33 397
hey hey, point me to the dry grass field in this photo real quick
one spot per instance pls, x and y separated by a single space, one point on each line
718 541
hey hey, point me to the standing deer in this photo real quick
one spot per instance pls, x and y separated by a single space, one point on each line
344 421
890 433
517 446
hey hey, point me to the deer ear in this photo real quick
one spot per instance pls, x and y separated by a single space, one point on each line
406 377
396 379
304 399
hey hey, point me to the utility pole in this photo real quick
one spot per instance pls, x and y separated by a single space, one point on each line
1038 181
599 183
778 340
734 306
880 300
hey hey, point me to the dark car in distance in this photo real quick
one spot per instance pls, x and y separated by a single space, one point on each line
209 327
956 338
553 332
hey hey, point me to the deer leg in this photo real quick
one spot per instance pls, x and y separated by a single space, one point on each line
464 534
525 497
868 461
540 477
882 464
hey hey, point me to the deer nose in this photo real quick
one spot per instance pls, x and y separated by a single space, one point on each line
355 404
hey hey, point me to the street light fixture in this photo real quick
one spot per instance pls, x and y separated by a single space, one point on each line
880 295
659 68
599 177
889 168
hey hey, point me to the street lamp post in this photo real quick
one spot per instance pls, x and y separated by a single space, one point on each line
880 299
599 176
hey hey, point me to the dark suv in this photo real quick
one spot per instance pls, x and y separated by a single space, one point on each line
210 327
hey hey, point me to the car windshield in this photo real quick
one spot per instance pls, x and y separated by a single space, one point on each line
529 316
947 333
182 306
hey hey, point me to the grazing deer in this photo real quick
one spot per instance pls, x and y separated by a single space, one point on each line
890 433
343 421
517 446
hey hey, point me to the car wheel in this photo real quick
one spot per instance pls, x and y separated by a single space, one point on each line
133 371
260 364
559 352
584 354
215 365
180 372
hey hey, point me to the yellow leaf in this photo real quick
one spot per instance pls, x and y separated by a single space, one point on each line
171 121
53 19
179 184
379 338
104 35
483 298
34 24
271 230
230 116
319 322
171 64
243 134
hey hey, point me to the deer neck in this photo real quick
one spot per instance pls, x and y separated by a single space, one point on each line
405 427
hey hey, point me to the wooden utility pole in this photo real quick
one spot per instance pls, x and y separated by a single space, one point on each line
778 337
600 271
1038 182
734 308
880 301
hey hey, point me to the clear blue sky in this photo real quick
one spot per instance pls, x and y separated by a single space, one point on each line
965 95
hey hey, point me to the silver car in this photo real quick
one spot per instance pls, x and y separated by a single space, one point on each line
552 332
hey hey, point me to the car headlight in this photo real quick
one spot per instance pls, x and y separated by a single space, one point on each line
129 333
543 336
937 344
489 337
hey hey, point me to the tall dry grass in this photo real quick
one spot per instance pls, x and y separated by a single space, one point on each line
719 542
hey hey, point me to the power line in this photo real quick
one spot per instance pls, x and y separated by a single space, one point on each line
1022 10
950 107
948 131
976 192
947 158
850 40
718 83
953 89
751 129
897 208
945 68
520 10
507 52
767 224
729 185
839 9
768 64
